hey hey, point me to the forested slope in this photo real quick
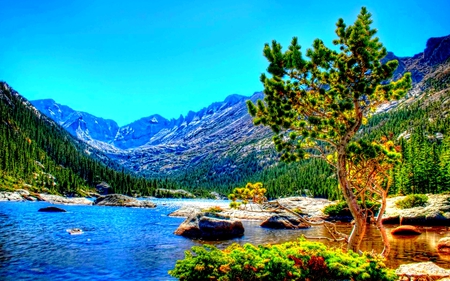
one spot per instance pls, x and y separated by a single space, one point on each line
41 156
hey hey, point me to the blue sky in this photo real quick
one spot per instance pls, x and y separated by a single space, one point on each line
124 60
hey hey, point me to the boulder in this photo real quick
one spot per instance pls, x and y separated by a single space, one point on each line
103 188
435 212
56 199
284 221
208 226
443 245
405 230
185 211
52 209
123 201
422 271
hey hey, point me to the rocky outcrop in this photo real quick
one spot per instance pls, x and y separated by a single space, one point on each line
173 193
103 188
209 226
406 230
10 196
185 211
435 212
56 199
443 246
52 209
123 201
422 271
284 222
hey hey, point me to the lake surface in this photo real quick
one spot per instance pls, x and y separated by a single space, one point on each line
138 244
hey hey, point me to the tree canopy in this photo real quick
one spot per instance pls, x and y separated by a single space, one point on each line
316 104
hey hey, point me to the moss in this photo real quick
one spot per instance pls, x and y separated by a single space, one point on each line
411 201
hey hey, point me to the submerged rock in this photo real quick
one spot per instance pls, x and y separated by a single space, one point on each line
75 231
284 222
123 201
406 230
52 209
209 226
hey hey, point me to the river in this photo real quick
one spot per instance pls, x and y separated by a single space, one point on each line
138 244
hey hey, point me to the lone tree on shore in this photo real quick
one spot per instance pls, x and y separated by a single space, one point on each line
315 106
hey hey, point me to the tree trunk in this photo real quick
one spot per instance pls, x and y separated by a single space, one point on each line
387 246
360 227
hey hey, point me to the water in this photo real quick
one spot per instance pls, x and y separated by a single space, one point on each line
138 244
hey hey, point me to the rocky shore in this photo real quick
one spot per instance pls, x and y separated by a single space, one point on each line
108 200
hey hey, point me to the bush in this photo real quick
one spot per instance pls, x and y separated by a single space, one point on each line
300 260
341 208
411 201
213 210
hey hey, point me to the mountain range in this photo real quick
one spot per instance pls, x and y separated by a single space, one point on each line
154 145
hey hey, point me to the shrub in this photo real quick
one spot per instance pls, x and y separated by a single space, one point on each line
411 201
300 260
213 209
341 208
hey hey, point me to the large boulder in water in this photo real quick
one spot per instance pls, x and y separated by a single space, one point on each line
123 201
52 209
209 226
405 230
284 221
443 245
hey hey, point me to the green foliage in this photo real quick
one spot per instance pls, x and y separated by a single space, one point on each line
213 210
341 208
252 191
300 260
411 201
41 156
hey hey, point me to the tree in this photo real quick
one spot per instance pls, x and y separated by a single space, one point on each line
316 105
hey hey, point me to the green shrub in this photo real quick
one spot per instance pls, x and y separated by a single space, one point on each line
300 260
341 208
411 201
213 209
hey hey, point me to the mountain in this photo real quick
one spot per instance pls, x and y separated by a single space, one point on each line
39 155
437 51
219 146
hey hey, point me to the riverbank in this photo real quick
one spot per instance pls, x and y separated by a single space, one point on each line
435 212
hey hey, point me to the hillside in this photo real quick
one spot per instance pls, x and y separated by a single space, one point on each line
39 155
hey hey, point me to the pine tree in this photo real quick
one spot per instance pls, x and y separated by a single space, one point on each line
315 106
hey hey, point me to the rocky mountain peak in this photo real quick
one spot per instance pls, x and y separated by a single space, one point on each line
437 50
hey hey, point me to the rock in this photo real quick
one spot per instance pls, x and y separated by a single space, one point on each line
52 209
123 201
311 206
173 193
208 226
185 211
443 245
56 199
103 188
425 270
23 192
405 230
10 196
284 221
436 212
75 231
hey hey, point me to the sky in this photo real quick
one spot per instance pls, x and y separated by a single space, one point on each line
124 60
